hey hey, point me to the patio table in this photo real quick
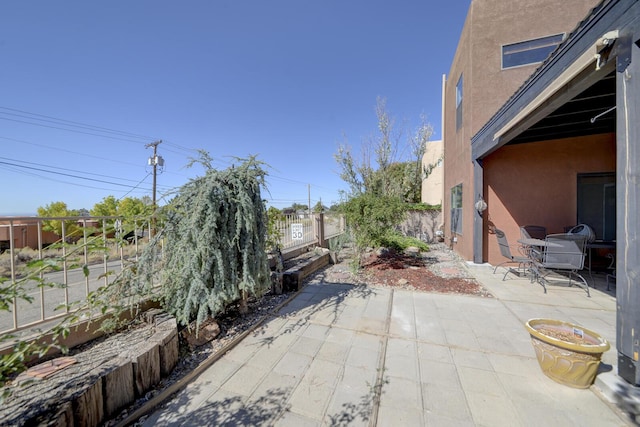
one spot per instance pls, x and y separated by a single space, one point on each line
534 247
532 242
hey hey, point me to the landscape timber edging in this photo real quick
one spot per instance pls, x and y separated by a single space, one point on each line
106 388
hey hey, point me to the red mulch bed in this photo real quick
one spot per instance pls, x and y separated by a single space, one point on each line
393 269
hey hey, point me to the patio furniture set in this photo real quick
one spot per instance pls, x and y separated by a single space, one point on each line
541 255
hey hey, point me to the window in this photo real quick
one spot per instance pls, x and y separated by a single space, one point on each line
459 103
530 51
597 203
456 209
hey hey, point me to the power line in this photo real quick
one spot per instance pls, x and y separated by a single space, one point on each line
136 186
135 165
72 123
35 144
65 122
58 180
70 130
65 169
300 182
64 174
47 121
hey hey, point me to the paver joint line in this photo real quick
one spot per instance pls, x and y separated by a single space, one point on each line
383 355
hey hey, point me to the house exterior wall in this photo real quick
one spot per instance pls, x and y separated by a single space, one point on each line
25 234
432 186
524 174
489 25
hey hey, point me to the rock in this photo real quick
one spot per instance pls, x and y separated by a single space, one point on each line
403 282
412 251
381 251
207 332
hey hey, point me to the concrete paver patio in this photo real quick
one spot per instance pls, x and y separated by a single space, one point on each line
340 354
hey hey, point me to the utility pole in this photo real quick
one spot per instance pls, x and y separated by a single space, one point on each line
154 161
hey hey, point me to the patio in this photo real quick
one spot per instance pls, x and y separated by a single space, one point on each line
342 354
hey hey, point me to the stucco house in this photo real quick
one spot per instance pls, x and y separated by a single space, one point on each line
24 231
432 185
552 142
502 43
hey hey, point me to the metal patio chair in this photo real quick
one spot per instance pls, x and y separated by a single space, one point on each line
522 261
611 275
533 232
563 254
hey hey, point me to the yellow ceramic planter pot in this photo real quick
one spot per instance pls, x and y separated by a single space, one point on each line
567 353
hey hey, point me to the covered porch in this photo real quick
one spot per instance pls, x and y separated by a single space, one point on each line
564 150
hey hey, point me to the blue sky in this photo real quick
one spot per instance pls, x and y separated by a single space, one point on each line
87 85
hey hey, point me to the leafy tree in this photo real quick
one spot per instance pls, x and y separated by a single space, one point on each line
383 169
335 207
319 207
274 234
58 209
373 218
299 207
132 210
214 243
416 171
130 207
107 207
383 182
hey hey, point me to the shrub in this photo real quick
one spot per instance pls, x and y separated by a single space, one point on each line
400 243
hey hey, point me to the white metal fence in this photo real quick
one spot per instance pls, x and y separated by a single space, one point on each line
333 225
296 231
56 271
52 272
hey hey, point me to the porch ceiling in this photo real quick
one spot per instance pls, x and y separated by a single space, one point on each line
574 118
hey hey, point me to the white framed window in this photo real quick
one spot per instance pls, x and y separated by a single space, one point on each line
529 51
456 209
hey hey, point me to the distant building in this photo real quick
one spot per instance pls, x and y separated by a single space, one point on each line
25 233
432 186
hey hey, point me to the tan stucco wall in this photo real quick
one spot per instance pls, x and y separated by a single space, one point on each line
486 87
25 234
432 186
518 177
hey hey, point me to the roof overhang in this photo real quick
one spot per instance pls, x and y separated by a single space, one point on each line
579 70
526 115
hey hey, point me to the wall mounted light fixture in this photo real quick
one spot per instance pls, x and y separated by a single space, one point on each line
481 205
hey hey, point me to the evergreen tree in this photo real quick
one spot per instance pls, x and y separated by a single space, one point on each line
214 243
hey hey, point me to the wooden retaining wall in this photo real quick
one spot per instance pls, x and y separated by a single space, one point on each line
98 386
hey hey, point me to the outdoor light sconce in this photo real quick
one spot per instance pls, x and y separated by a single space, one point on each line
604 46
481 205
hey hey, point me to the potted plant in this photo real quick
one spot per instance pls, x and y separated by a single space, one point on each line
567 353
